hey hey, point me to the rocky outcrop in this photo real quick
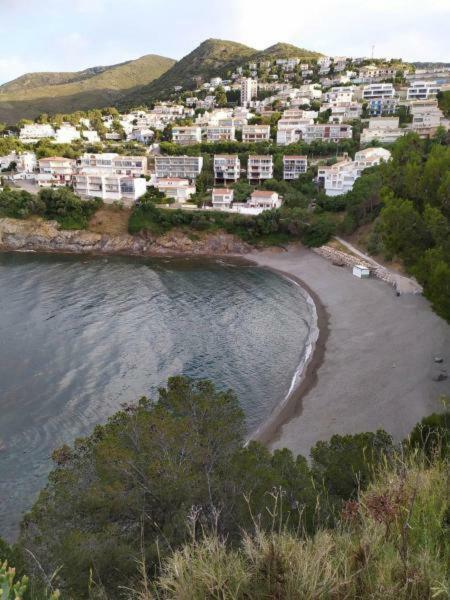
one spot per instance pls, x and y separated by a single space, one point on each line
45 236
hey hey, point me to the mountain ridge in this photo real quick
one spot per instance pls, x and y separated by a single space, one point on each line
130 83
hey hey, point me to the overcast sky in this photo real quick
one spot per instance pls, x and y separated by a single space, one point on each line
67 35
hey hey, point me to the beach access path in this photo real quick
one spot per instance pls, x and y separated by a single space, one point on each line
373 366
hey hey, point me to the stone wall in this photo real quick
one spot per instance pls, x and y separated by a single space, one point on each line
342 258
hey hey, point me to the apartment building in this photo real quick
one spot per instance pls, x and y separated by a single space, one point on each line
227 168
175 187
222 198
109 187
339 178
422 90
55 170
426 115
259 168
249 90
186 136
134 166
327 133
378 90
220 133
32 133
184 167
255 133
294 166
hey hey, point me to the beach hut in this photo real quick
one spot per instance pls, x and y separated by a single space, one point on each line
361 271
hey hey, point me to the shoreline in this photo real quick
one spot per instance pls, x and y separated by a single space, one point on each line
368 371
270 430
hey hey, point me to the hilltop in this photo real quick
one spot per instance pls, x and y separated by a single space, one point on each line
211 58
96 87
130 83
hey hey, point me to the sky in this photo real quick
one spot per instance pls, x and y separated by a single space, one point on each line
70 35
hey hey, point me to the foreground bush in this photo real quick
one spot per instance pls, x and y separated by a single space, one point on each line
390 544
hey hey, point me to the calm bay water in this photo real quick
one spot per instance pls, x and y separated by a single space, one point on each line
78 337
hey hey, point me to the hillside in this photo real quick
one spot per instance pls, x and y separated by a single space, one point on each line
35 93
212 57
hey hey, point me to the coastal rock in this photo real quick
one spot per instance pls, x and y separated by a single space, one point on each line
46 236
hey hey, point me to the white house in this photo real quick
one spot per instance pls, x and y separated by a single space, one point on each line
55 171
265 199
109 187
174 187
294 166
222 198
25 162
66 134
185 167
259 167
227 168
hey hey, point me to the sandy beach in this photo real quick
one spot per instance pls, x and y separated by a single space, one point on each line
373 363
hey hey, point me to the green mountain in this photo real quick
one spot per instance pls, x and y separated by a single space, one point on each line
212 57
97 87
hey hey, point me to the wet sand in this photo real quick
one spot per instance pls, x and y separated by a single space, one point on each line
373 363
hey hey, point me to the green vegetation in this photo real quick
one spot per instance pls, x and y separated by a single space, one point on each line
408 199
276 225
36 93
60 205
141 499
389 544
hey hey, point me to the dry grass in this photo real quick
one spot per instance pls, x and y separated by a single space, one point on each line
110 220
390 545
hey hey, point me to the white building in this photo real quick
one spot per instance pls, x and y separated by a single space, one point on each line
294 166
338 95
174 187
186 136
264 199
134 166
91 136
339 178
249 90
185 167
327 133
259 167
25 162
31 133
55 171
66 134
422 90
255 133
426 116
219 134
109 187
222 198
227 168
